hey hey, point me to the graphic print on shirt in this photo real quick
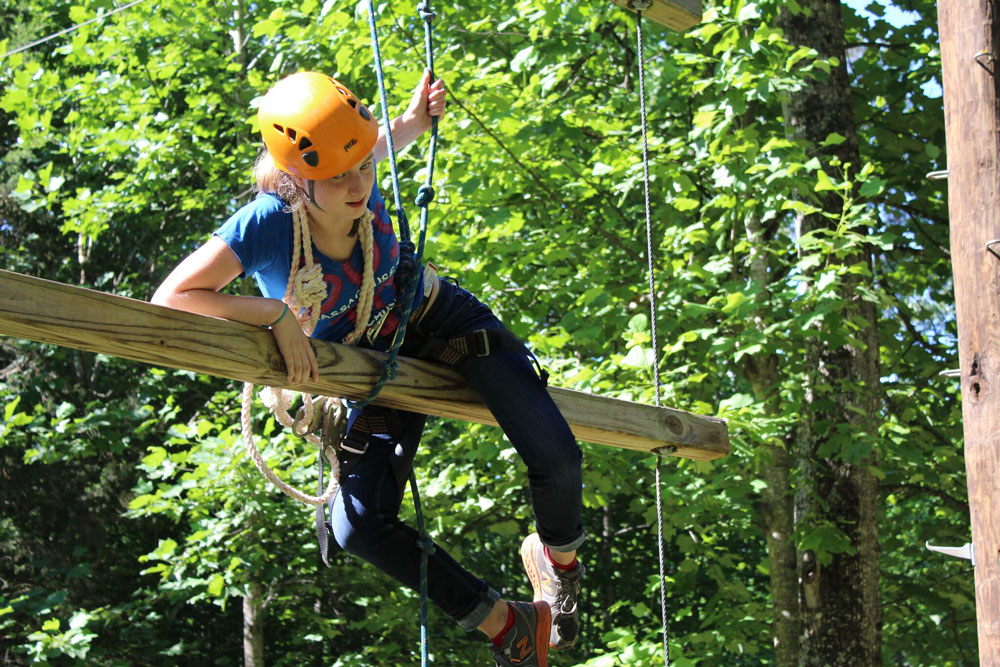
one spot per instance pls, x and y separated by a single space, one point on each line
261 235
385 293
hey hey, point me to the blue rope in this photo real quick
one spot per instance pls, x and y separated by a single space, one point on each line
425 195
427 548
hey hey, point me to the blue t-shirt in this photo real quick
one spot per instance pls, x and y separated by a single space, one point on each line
261 233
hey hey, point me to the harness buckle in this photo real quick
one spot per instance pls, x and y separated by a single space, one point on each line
374 330
479 341
353 450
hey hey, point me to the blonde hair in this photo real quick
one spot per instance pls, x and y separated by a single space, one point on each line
271 179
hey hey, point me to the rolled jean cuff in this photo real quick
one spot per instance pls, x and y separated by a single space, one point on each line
474 618
569 546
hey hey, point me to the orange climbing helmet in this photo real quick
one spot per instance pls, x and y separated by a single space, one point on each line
314 127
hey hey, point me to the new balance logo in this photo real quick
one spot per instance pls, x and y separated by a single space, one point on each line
525 645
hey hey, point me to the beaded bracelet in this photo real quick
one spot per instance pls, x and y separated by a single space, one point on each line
280 317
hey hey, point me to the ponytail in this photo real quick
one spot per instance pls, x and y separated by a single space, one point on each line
271 179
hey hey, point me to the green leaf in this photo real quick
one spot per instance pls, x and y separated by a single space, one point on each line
748 12
872 187
704 119
638 357
733 301
8 410
823 182
155 458
505 528
638 323
215 585
685 204
833 139
79 620
524 59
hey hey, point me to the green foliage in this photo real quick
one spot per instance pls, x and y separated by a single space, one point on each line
136 527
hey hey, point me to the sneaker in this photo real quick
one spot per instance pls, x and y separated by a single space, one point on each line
559 588
525 644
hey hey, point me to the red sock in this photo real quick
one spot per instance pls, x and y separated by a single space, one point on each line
559 566
496 641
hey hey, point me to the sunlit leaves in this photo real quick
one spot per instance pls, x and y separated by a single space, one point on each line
139 134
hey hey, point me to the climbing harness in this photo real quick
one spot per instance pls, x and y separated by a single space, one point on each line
640 6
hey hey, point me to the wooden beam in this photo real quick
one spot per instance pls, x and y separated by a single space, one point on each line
675 14
970 58
51 312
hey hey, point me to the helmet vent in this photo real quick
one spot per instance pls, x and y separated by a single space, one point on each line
353 102
279 128
304 143
292 134
364 113
311 158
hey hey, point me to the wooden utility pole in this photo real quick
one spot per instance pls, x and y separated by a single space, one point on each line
970 35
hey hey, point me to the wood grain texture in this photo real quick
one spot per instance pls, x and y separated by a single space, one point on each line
675 14
51 312
970 36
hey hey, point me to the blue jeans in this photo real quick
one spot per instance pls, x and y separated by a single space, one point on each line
365 513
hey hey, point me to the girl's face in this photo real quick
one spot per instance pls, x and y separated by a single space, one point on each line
343 198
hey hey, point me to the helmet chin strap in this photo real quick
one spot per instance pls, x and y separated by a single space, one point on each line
311 193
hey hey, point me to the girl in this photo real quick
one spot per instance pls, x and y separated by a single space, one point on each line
319 226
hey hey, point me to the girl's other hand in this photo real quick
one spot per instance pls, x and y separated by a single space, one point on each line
296 350
429 99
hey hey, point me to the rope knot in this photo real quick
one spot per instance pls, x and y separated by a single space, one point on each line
426 545
425 195
406 270
426 13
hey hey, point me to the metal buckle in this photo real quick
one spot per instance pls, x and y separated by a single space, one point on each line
347 448
481 342
373 331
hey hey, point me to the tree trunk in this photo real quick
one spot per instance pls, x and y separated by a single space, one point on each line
777 508
253 626
841 612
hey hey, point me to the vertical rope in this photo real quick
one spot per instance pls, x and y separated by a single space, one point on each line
404 227
424 197
425 194
639 7
426 549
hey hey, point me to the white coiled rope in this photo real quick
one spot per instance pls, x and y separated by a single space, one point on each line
304 295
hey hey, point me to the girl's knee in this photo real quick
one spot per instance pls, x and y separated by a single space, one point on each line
560 468
352 530
354 537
